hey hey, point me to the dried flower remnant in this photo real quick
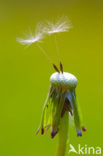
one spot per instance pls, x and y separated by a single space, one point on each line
61 98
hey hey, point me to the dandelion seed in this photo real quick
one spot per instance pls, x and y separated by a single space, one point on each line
37 37
32 38
62 25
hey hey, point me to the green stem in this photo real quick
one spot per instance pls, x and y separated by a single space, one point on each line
63 135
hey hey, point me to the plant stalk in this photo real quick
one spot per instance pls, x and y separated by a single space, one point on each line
63 135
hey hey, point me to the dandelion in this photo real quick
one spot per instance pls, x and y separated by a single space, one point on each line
61 25
61 99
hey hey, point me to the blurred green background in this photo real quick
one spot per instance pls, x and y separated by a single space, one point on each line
24 73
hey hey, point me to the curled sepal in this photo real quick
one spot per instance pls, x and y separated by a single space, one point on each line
45 124
76 111
58 99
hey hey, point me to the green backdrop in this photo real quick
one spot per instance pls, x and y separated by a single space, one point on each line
25 72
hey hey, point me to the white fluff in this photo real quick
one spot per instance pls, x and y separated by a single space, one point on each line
61 25
32 38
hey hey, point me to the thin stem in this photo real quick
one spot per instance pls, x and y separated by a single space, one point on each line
63 135
44 52
57 48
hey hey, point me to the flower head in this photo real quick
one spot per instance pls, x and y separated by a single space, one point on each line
61 98
61 25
